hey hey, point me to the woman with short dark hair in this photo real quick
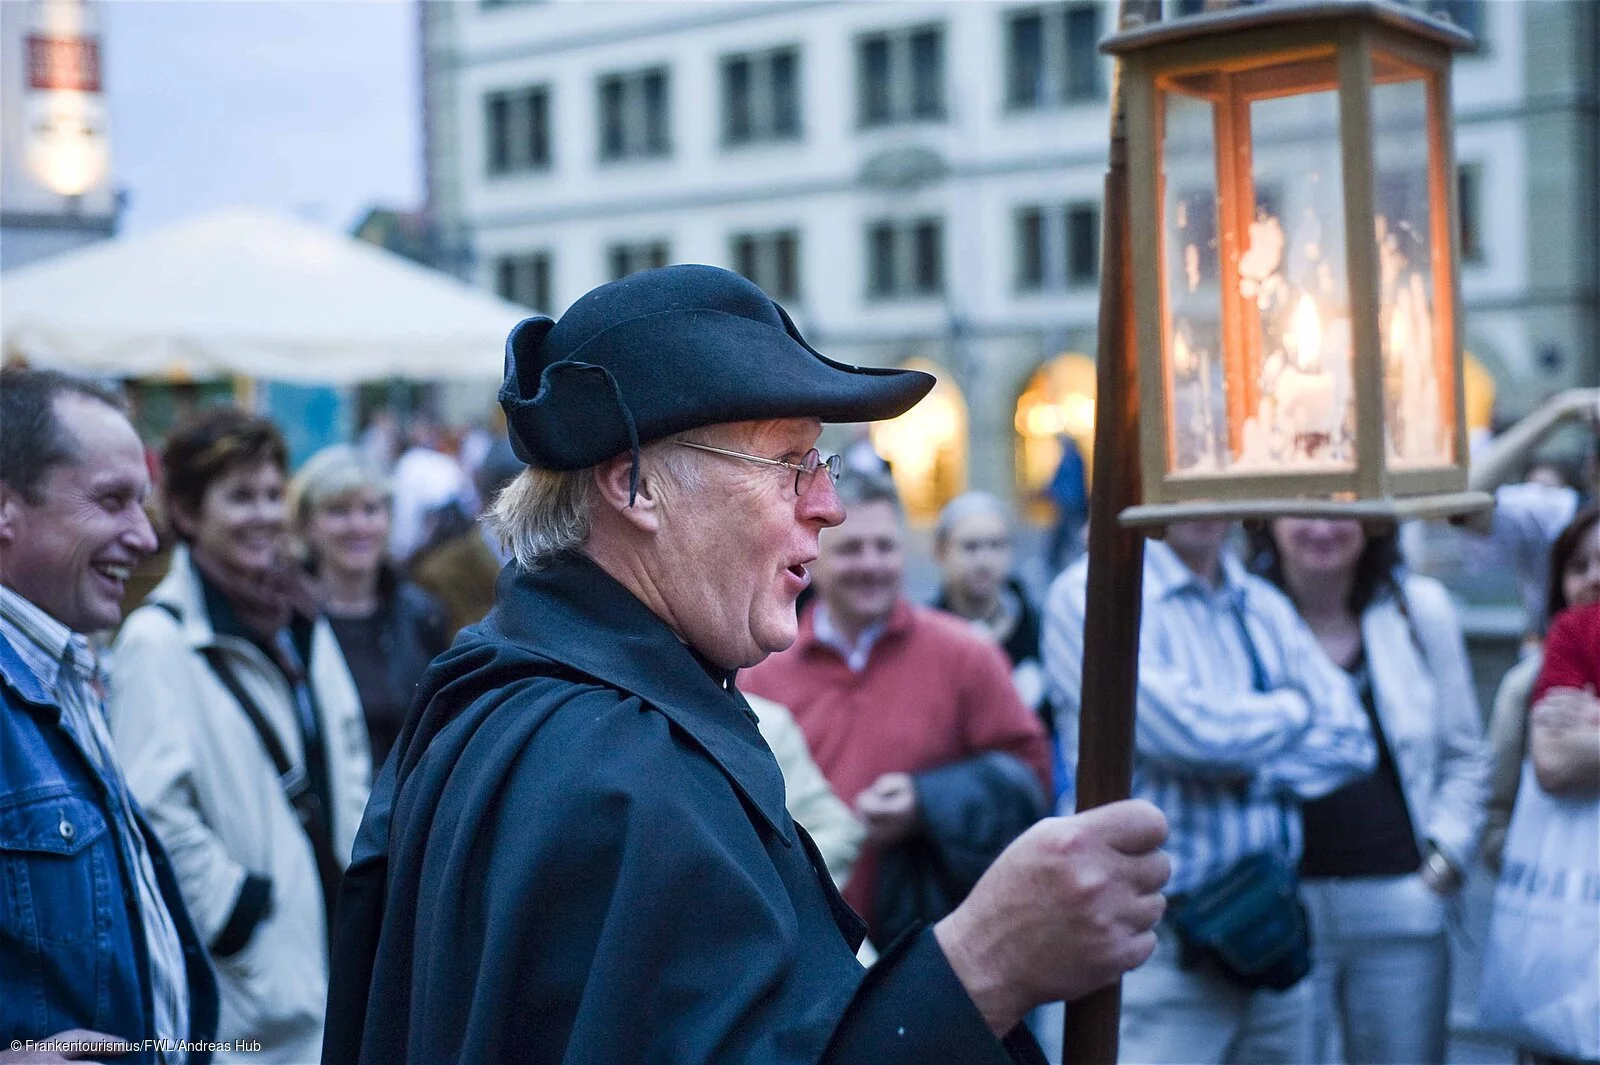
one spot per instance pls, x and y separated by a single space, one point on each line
233 709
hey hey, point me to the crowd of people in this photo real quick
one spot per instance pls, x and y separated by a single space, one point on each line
312 749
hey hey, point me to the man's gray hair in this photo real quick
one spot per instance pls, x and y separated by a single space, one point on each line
857 487
543 513
964 506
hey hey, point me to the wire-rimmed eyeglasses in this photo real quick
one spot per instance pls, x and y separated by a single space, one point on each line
804 470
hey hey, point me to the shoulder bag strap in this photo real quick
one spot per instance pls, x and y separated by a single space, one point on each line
1259 683
296 786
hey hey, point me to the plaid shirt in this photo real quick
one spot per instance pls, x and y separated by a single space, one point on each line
64 662
1241 717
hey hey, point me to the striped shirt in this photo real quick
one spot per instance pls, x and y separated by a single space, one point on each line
68 668
1240 714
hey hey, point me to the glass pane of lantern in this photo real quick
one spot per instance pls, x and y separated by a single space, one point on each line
1419 427
1297 412
1197 426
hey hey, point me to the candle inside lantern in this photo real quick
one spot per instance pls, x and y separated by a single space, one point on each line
1305 391
1419 436
1307 328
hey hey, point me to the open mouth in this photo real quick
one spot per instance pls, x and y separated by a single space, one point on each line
112 571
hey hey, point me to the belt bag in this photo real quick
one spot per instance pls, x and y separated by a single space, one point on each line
1250 923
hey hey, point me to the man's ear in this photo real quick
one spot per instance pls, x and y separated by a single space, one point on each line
613 479
11 503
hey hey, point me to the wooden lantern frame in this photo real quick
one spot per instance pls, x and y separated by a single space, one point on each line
1346 46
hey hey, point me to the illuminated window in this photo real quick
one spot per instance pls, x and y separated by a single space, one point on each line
1059 399
926 447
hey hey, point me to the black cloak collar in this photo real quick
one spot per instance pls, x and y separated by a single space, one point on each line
573 612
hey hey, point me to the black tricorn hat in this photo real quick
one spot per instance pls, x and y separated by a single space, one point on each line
671 349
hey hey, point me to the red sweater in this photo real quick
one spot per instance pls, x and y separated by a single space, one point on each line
1571 652
933 692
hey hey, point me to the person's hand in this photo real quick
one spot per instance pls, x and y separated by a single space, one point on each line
888 808
1065 910
1564 742
1564 708
15 1055
1582 403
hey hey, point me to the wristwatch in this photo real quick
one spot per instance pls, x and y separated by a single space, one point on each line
1439 874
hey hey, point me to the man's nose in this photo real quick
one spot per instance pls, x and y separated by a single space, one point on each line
821 502
141 535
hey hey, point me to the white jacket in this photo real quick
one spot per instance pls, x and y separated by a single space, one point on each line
197 764
807 793
1428 706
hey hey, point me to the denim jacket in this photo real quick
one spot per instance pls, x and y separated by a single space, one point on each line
72 946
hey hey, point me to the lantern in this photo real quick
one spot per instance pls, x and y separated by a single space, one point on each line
1293 228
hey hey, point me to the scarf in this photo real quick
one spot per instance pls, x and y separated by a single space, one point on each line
264 599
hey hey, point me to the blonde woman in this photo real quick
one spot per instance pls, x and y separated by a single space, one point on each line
388 628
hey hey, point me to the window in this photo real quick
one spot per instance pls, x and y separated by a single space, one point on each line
1469 202
625 259
900 76
770 260
1030 248
1057 246
1083 244
517 130
761 96
634 115
524 279
1052 56
905 258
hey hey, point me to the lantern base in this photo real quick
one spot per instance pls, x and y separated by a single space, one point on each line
1405 508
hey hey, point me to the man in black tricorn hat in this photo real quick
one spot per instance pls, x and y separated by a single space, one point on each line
578 851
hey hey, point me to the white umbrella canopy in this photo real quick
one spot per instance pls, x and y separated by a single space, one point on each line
246 292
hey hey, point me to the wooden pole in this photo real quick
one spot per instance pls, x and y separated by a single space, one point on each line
1116 553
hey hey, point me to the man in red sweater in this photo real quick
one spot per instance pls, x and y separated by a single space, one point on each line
886 690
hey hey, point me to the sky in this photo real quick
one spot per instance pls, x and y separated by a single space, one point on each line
310 107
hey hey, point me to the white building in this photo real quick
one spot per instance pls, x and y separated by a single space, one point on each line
921 180
55 152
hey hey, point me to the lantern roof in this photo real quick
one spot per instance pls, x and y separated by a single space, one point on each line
1289 13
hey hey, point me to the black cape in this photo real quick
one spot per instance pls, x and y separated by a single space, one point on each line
579 852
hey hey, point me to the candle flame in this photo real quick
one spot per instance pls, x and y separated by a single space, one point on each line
1307 327
1399 332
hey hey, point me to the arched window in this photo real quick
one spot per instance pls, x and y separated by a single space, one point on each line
1059 399
926 447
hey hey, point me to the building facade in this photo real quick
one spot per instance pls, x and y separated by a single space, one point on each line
55 152
921 181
